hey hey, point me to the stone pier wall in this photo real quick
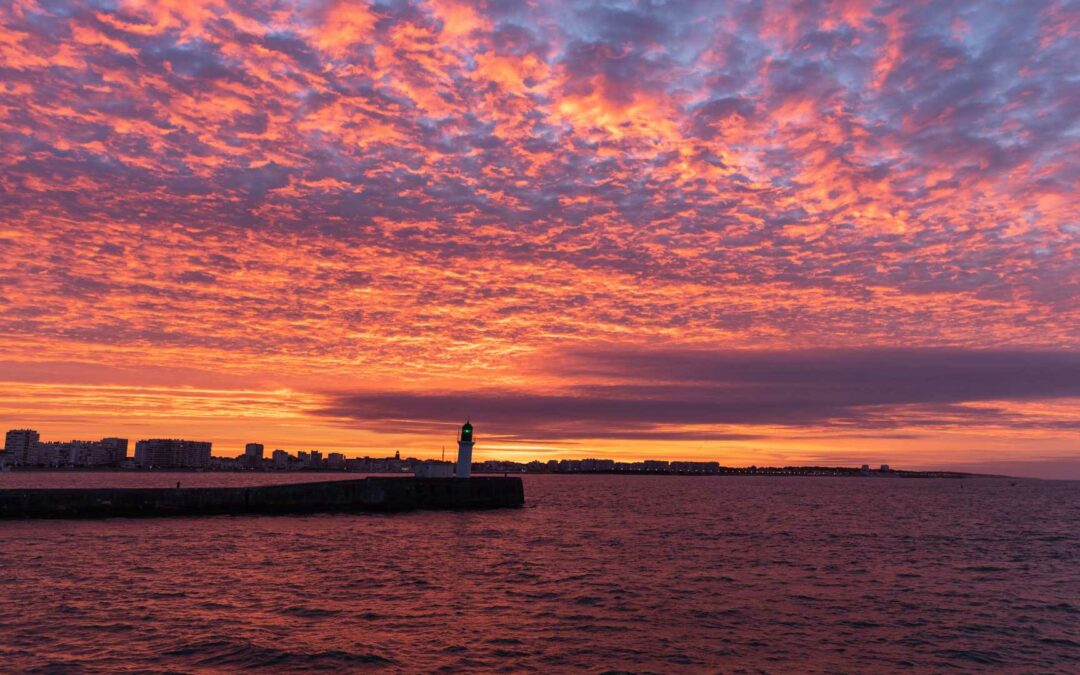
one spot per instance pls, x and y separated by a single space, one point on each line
366 494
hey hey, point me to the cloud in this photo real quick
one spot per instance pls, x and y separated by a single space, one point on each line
384 191
658 393
850 376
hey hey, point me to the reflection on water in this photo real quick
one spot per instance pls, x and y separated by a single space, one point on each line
600 572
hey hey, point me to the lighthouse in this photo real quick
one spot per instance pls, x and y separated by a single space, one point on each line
464 451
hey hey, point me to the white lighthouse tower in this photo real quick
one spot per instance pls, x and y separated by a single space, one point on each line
464 451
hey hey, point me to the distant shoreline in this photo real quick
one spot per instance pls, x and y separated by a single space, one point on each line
802 471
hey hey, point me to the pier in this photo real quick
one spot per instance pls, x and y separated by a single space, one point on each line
383 495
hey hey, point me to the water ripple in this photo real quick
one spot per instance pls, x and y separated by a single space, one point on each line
601 574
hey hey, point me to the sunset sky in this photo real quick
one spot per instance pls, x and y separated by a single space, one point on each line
767 233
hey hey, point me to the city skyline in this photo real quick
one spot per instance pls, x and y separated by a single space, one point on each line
780 233
23 448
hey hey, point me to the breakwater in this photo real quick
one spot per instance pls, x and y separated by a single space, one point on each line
362 495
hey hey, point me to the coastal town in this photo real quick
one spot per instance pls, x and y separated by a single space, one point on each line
24 450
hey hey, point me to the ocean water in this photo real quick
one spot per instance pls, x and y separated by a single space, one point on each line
597 573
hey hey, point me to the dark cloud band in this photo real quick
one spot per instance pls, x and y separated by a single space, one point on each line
655 392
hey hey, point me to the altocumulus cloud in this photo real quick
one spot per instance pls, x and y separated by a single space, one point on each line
311 191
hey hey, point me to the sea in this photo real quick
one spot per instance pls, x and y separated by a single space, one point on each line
603 574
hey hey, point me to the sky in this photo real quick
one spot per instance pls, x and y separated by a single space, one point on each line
806 232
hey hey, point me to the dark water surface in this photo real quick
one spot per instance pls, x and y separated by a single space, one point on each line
646 573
